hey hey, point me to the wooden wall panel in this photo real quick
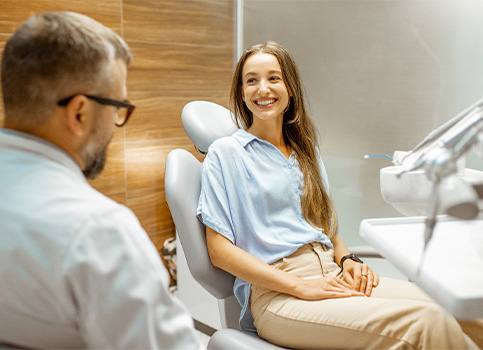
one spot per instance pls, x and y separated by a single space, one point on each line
183 51
3 40
15 12
170 67
203 23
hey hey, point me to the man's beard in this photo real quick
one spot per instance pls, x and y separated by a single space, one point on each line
95 158
95 163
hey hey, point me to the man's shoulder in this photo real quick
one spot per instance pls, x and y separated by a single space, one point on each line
95 204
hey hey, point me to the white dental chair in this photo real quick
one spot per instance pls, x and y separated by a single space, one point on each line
204 122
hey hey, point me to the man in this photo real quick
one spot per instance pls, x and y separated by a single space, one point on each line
76 268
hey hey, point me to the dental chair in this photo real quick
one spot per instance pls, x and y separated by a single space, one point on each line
204 122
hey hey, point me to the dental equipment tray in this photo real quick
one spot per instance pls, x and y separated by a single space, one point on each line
451 268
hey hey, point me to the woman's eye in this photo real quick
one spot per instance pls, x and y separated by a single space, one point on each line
275 78
250 81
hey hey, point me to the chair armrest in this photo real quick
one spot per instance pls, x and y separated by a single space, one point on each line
365 252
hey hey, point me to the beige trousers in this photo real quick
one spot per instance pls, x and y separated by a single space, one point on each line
398 315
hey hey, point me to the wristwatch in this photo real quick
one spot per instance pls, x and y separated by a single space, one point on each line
349 256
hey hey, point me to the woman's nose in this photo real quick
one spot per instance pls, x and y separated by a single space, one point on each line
263 88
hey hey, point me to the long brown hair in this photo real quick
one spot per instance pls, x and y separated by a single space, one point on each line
298 132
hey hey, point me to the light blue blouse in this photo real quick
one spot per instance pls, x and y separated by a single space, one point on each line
251 195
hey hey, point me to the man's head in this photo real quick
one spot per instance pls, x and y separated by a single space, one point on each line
57 55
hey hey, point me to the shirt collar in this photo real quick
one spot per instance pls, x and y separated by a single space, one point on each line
243 137
21 141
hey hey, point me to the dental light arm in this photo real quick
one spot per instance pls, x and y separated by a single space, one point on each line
452 142
437 133
472 135
437 154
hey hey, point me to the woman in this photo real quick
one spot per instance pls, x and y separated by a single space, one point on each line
271 223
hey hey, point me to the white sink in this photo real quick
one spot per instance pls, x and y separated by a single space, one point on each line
410 192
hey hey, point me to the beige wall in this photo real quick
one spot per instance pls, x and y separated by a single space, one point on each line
182 51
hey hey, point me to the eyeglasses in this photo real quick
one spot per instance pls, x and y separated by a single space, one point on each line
124 108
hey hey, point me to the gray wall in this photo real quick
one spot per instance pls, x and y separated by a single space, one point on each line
379 76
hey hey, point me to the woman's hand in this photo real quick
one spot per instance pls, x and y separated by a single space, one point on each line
324 288
360 277
225 255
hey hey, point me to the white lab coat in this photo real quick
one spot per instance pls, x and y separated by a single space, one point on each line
76 268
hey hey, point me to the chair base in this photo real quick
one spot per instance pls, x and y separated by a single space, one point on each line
234 339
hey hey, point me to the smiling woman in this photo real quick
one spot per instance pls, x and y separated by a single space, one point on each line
271 223
294 130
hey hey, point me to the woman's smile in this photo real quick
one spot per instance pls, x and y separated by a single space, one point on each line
265 103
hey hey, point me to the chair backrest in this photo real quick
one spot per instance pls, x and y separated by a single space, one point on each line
204 122
182 181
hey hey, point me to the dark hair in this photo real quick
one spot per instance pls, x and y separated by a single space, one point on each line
298 131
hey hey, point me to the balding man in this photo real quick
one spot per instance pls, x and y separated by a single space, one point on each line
76 268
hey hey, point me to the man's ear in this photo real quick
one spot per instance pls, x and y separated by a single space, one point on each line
76 116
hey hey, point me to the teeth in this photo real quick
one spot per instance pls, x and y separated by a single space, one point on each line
265 103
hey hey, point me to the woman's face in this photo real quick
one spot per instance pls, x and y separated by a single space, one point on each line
263 89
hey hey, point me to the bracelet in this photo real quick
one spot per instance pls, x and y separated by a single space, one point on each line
349 256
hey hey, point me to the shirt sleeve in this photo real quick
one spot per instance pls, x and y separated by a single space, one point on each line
213 207
120 288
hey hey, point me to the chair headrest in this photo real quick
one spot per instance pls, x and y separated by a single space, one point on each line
204 122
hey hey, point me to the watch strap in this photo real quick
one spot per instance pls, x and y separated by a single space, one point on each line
349 256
